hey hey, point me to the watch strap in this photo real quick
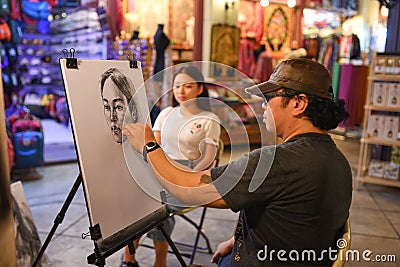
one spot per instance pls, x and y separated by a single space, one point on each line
149 147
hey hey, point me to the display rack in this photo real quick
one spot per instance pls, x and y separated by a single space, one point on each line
380 143
140 49
233 100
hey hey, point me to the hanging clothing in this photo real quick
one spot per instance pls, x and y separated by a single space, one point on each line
115 18
264 67
246 62
312 47
355 48
161 42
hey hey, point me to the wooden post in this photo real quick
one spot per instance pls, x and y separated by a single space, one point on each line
7 240
198 30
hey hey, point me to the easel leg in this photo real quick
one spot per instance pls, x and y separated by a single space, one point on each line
172 245
59 218
95 259
131 248
199 231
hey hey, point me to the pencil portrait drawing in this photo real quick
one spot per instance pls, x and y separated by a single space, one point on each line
117 91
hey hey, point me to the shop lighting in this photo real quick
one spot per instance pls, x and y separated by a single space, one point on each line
264 3
291 3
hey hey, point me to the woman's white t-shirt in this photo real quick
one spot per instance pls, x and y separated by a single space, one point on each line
190 132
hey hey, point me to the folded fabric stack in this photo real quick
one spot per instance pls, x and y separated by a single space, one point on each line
81 19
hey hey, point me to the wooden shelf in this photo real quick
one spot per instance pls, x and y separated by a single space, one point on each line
366 140
382 108
384 77
364 160
246 130
380 181
253 135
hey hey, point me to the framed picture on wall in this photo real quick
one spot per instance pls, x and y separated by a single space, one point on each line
225 50
278 28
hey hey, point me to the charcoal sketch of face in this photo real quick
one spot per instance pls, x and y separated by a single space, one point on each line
116 92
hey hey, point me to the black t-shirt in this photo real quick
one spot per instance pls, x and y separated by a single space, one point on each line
299 208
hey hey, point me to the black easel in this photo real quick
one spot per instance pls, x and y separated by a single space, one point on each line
106 247
96 258
59 218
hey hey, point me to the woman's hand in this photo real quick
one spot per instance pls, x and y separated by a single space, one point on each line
223 249
138 135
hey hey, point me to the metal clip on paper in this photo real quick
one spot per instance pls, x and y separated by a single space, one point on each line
133 64
72 62
95 232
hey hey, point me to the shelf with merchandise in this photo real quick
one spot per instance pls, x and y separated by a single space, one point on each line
240 114
39 73
379 160
138 49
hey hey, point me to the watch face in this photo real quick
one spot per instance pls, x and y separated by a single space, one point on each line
151 145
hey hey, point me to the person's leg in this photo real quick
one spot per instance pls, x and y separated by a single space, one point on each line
160 242
128 258
161 250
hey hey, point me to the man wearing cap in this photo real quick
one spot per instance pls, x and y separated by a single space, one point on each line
294 197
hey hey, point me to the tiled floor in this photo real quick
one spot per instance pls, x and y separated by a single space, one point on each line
375 220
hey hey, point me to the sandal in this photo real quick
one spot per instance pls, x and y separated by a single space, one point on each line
129 264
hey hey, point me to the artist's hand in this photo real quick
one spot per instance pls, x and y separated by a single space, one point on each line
223 249
138 135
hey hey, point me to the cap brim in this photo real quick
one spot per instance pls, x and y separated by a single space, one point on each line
262 88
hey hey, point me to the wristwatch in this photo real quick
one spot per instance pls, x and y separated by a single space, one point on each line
150 146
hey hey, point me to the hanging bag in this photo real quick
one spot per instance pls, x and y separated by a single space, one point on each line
36 10
4 8
5 33
16 32
28 148
15 12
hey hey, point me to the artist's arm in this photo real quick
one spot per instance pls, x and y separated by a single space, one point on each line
194 188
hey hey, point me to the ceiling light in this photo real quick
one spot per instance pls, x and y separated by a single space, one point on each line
264 3
291 3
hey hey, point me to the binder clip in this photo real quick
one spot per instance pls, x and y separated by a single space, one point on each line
133 63
72 62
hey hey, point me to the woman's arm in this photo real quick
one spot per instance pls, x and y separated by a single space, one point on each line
207 158
212 132
157 135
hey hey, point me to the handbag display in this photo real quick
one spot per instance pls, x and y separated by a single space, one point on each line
4 8
36 10
5 33
16 31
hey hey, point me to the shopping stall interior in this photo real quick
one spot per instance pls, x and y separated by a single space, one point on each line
358 41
